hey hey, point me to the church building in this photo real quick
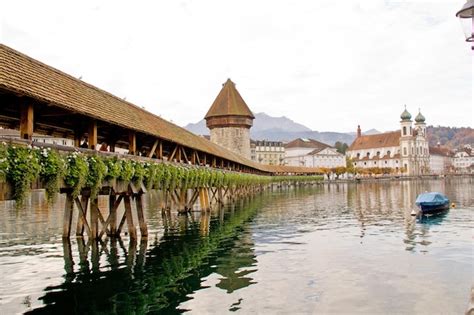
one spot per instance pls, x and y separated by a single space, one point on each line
405 150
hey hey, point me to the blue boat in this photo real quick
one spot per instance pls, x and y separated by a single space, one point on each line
432 202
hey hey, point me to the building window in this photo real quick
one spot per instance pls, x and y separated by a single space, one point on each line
404 151
388 152
404 130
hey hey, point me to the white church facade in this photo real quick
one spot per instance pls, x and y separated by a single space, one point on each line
405 151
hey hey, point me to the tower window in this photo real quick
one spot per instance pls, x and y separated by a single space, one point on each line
404 130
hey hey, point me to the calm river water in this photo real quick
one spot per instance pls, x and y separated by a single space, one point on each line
330 249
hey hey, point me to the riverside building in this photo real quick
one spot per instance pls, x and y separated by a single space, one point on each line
312 153
405 150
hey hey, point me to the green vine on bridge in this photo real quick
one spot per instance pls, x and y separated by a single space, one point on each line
23 166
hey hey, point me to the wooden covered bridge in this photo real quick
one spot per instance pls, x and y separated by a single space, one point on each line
36 98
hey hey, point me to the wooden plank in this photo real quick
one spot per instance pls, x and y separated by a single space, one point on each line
153 148
67 221
132 231
92 130
141 217
26 121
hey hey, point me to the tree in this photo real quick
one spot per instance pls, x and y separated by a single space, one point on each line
349 165
338 171
341 147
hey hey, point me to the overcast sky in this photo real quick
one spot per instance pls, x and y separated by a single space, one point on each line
327 64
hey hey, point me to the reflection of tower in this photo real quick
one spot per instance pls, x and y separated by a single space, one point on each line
229 120
236 265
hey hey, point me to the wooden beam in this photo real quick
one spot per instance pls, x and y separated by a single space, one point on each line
160 152
185 155
132 142
92 135
170 158
179 153
153 148
26 121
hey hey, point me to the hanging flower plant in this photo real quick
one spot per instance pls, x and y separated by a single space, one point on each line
23 168
52 171
128 170
77 170
4 161
114 168
96 174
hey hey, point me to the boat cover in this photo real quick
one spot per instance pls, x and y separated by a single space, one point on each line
431 198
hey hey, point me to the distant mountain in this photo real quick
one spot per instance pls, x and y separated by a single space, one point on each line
450 137
266 127
262 122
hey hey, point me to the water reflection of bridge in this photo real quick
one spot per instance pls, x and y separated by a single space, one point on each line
109 274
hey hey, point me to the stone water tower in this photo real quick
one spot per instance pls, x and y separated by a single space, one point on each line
229 120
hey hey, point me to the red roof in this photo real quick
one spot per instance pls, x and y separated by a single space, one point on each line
381 140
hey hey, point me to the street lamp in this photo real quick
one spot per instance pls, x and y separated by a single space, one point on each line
466 15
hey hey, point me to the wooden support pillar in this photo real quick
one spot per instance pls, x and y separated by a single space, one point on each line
92 135
113 215
160 151
132 143
141 217
94 220
179 153
82 215
67 222
132 231
26 121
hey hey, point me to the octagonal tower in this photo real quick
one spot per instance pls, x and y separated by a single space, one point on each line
229 120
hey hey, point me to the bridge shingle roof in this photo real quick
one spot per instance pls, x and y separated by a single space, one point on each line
23 75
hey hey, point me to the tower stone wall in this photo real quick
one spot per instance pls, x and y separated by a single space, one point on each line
235 139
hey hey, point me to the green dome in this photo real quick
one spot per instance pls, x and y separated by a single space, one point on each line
420 118
405 115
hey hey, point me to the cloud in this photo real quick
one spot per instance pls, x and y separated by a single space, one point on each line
330 65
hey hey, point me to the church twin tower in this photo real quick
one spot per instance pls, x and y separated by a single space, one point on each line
229 120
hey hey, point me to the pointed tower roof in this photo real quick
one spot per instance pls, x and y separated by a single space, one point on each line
420 118
405 115
229 103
